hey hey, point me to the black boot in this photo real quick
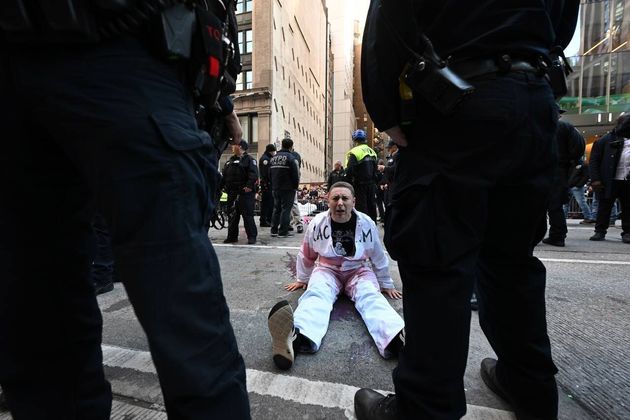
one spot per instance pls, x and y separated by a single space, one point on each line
489 377
598 236
553 241
371 405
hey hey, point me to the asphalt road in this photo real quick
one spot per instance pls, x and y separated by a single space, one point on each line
588 298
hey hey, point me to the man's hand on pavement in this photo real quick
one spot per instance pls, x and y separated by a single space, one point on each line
296 285
392 293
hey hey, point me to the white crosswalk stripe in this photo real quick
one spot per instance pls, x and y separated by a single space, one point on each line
289 388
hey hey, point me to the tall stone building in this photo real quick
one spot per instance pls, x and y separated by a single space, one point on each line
346 20
284 88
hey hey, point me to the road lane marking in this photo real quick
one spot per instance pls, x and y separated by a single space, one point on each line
562 260
255 246
556 260
289 388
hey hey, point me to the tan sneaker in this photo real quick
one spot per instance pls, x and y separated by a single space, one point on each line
280 322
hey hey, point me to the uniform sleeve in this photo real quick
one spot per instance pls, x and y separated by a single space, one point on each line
388 173
305 262
380 261
226 104
351 162
295 174
252 174
595 160
565 16
222 180
382 64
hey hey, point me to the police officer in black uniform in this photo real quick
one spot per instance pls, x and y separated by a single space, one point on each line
361 173
495 153
570 145
240 179
266 199
97 113
285 177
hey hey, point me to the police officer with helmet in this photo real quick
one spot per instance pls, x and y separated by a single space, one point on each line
96 105
361 173
473 110
240 179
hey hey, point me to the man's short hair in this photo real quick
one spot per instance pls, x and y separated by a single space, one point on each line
287 143
342 184
270 148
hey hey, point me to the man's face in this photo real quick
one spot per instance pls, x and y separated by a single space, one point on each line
340 203
337 166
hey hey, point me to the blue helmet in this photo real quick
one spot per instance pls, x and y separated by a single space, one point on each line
359 135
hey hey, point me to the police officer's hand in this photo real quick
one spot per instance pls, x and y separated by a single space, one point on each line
397 135
392 293
234 127
296 285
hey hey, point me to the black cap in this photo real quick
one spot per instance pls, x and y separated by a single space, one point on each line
270 148
244 145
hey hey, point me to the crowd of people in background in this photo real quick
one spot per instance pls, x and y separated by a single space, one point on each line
603 179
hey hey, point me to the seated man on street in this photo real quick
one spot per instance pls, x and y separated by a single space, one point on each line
341 251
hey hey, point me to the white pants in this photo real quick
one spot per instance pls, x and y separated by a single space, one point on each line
313 312
296 218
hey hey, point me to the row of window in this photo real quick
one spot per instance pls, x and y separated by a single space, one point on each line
246 41
243 6
245 80
296 59
301 129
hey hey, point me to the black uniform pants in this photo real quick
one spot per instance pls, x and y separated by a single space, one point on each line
365 195
620 190
557 198
282 205
266 206
241 204
102 270
453 202
107 125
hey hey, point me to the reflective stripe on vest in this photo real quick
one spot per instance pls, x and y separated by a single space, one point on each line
360 152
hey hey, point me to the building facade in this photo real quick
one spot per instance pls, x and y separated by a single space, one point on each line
284 88
599 87
343 16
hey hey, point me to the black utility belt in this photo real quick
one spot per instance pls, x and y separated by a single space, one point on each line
470 69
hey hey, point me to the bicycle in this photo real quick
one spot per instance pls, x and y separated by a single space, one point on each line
219 217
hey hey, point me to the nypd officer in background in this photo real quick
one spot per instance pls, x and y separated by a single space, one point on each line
500 140
361 173
93 116
240 178
266 196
